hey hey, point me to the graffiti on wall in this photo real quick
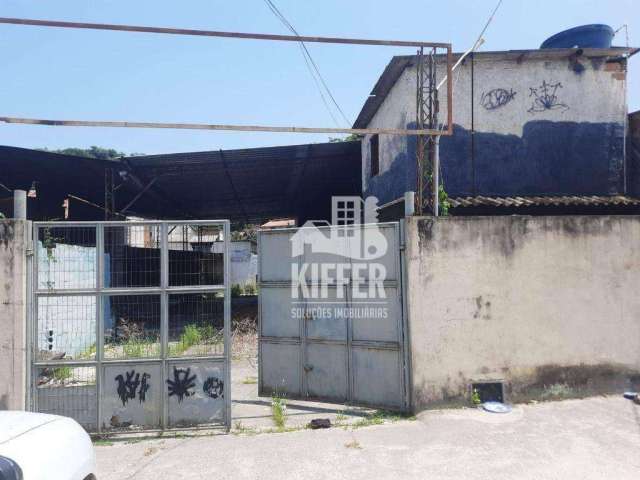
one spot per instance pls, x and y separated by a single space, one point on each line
496 98
182 384
545 98
131 384
213 387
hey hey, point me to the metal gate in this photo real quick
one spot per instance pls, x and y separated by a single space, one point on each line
332 343
129 324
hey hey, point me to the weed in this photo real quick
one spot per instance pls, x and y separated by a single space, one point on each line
240 429
381 416
278 411
136 347
250 380
62 373
88 353
191 336
150 451
236 290
475 397
101 442
353 444
250 289
557 391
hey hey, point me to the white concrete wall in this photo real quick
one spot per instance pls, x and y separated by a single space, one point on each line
597 94
243 263
532 301
13 239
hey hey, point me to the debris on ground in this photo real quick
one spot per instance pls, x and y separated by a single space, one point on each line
496 407
630 395
320 423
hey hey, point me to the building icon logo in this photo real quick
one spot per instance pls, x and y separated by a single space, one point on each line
353 233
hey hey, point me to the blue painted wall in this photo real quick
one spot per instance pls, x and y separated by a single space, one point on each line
551 158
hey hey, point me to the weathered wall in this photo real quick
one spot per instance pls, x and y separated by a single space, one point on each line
633 154
541 125
13 236
533 301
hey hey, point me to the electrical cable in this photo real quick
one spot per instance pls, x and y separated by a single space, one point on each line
308 59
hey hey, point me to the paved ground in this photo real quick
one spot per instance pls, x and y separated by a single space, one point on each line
574 439
251 412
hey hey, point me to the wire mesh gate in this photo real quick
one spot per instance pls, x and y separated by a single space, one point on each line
130 323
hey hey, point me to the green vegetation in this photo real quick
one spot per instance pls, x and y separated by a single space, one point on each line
91 152
250 381
101 442
557 391
62 373
443 198
195 335
249 289
381 416
139 347
236 290
88 353
475 397
349 138
278 411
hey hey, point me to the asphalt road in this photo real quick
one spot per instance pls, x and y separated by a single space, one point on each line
594 438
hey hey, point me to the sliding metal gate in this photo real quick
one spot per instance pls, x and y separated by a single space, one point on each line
340 345
130 323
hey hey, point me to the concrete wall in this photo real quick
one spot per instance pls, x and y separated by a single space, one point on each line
507 141
13 240
532 301
633 154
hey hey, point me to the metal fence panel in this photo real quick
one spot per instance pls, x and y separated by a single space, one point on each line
325 350
128 317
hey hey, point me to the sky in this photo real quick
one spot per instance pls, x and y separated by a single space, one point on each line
94 75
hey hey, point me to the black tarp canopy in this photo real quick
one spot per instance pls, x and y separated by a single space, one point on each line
247 185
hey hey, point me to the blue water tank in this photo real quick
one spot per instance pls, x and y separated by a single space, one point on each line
585 36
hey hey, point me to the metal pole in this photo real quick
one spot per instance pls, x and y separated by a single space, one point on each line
227 326
436 176
409 204
20 204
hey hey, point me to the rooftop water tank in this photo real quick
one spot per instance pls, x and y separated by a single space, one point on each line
585 36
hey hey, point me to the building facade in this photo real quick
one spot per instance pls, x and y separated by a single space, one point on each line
534 122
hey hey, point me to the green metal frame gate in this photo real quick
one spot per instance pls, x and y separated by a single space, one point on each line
129 323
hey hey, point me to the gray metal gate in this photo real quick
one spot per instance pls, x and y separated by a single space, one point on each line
331 345
129 325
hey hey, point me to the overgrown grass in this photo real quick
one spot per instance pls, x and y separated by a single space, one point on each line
557 391
138 347
195 335
88 353
381 416
278 411
62 373
101 442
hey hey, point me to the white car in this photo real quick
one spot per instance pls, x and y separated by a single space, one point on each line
35 446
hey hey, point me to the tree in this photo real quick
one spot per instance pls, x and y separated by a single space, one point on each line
91 152
349 138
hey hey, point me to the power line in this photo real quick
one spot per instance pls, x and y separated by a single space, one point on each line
309 60
306 60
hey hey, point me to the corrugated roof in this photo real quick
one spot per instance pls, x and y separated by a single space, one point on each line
396 66
618 200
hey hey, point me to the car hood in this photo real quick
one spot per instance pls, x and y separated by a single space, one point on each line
13 423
